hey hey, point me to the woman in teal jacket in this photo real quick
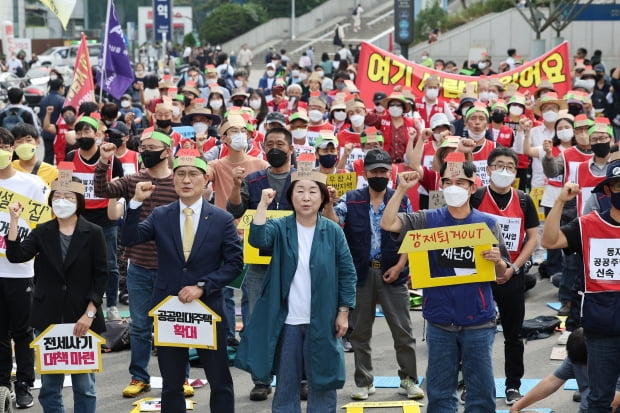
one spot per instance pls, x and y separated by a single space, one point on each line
302 311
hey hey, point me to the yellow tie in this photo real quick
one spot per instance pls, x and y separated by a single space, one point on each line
188 232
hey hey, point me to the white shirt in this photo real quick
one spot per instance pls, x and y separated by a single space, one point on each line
538 135
300 294
197 207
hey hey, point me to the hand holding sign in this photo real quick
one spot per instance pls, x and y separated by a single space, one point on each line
569 192
15 209
82 325
408 179
143 191
190 293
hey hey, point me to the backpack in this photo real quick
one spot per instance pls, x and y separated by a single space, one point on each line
542 326
12 116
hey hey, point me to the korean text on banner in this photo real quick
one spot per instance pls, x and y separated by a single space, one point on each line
82 88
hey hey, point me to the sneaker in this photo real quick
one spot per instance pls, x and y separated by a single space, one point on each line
512 396
346 345
23 397
136 388
577 396
411 389
303 390
188 391
260 392
361 393
113 314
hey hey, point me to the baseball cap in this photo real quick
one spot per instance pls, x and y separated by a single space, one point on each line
378 97
276 117
613 173
377 158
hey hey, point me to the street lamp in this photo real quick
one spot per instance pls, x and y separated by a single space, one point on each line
292 19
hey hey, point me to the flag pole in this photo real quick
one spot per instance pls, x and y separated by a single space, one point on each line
102 64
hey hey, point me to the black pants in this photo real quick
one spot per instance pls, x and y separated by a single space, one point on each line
15 302
510 298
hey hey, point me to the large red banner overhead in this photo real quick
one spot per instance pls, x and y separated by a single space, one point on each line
379 70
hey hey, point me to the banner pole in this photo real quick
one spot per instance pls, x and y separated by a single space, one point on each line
102 64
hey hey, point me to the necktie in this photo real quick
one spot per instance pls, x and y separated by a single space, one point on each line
188 232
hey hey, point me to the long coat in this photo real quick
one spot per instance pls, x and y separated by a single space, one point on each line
333 280
62 289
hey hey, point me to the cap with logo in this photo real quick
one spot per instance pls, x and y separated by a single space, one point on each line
377 158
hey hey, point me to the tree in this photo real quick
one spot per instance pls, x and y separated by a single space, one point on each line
560 13
428 19
189 40
229 21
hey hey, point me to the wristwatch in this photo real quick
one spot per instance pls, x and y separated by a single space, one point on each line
90 314
515 267
201 284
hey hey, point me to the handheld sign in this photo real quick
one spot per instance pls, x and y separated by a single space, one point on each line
456 251
180 324
58 351
342 183
252 255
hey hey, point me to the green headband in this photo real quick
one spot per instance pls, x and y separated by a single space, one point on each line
609 130
473 109
94 123
195 162
162 137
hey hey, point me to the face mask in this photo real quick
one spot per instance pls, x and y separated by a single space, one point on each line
163 123
211 81
53 77
320 73
565 135
151 158
26 151
378 184
455 196
200 127
575 109
476 136
431 94
125 103
5 159
600 150
216 104
340 116
357 120
503 178
118 141
615 199
550 116
315 115
63 208
482 65
255 104
303 76
295 73
299 133
395 111
492 96
86 143
498 116
379 109
176 111
238 83
437 136
238 102
238 142
516 110
328 161
483 96
276 157
589 83
69 119
340 86
271 73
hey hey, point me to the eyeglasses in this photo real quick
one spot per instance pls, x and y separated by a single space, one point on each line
599 139
500 165
68 196
143 148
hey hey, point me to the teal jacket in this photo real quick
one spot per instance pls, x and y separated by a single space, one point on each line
333 281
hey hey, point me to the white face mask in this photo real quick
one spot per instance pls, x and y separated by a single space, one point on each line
200 127
516 110
340 116
255 104
492 96
211 81
176 111
476 136
303 76
502 178
379 109
295 73
395 111
63 208
238 142
216 104
299 134
352 76
550 116
589 83
431 94
483 96
455 196
482 65
315 115
125 103
565 135
53 77
320 73
238 83
271 73
357 120
437 136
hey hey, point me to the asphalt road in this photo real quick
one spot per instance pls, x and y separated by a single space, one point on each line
537 364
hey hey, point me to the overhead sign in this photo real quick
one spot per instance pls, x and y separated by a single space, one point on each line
253 255
58 351
403 21
162 10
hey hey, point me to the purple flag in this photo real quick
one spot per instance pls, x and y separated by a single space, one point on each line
114 64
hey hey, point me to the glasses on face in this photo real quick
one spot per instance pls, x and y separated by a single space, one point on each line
6 147
62 195
599 139
500 165
143 148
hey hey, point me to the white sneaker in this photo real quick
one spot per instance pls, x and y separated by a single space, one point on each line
410 389
113 314
361 393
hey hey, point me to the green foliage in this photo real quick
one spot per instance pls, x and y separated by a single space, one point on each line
428 19
189 40
282 8
231 20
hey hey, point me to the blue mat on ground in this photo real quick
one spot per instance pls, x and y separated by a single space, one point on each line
122 313
526 385
571 384
529 410
555 306
391 382
379 313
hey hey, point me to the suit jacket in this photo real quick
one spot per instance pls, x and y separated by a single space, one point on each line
62 290
216 257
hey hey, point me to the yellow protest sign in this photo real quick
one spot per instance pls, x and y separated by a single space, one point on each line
459 253
343 183
536 194
253 255
408 406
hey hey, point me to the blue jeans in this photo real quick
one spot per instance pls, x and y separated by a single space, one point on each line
84 396
292 354
569 272
447 350
111 234
229 308
603 371
253 283
140 282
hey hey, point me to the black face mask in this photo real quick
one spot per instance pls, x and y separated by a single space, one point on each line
163 123
69 119
575 109
238 102
328 161
615 199
86 143
276 157
151 158
601 150
116 140
378 184
498 116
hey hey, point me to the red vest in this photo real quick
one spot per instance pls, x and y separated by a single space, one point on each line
480 160
428 153
601 253
558 181
129 162
313 131
386 130
505 136
86 173
573 157
60 141
587 181
420 105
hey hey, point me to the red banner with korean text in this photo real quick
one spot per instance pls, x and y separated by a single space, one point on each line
379 70
82 86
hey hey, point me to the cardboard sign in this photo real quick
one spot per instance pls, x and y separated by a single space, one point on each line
436 200
180 324
343 183
408 406
58 351
253 255
152 404
537 194
455 243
